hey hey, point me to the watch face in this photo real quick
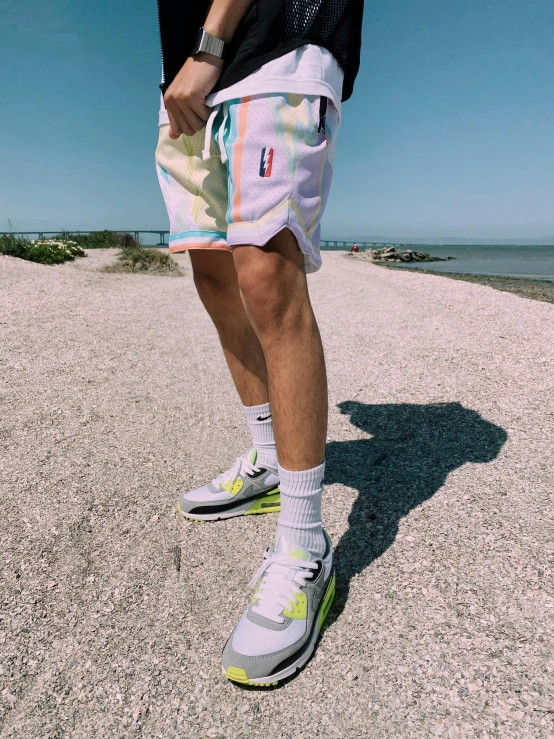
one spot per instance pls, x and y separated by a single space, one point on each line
198 41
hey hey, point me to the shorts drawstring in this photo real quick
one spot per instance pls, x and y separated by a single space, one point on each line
220 135
220 138
208 134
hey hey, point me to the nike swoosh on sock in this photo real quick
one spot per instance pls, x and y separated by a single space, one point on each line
263 418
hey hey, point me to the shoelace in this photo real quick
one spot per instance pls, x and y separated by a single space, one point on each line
241 467
275 590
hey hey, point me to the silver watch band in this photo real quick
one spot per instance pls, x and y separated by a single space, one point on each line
210 44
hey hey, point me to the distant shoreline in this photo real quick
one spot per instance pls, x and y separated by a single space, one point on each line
534 289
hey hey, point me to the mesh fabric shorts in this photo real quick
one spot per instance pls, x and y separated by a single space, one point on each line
263 163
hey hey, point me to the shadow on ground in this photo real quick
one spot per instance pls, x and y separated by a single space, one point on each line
413 449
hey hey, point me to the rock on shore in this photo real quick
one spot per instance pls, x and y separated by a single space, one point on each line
391 254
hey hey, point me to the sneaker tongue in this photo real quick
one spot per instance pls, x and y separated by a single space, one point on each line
288 548
251 455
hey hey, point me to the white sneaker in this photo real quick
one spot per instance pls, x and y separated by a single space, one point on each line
277 633
246 488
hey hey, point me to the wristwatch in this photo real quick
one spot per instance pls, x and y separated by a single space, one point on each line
209 44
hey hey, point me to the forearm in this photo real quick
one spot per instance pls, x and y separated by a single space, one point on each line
185 99
224 17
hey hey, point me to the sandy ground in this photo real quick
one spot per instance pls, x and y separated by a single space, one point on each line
115 398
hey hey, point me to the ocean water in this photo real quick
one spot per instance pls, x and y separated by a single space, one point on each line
533 262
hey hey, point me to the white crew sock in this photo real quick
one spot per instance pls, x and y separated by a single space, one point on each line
300 517
259 422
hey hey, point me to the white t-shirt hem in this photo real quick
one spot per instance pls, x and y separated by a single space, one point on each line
268 87
278 85
309 70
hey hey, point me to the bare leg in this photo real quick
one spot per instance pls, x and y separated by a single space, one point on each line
274 291
215 278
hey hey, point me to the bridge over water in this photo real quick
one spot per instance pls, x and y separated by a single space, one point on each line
162 239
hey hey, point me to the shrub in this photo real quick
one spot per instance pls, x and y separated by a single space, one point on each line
128 241
42 251
134 258
13 246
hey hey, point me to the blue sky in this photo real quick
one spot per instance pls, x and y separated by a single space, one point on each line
449 132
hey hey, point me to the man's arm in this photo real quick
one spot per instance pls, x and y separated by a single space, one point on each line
185 99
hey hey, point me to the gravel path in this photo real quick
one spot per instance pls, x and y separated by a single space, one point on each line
115 397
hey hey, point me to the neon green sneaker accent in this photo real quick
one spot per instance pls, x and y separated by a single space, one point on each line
270 503
233 486
298 554
237 675
236 485
327 600
256 593
299 610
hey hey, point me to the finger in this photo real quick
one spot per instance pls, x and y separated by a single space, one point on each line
194 120
201 110
174 129
181 120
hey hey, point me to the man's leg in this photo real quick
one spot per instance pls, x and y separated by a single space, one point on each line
251 485
195 191
275 294
216 281
274 290
277 632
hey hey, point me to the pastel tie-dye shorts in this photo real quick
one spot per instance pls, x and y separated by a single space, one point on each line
262 163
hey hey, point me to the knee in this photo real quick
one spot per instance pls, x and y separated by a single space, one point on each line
207 283
270 297
213 285
218 292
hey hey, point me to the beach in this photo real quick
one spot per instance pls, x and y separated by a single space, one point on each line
530 262
116 398
534 289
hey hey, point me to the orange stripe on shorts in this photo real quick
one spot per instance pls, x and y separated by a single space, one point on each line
237 158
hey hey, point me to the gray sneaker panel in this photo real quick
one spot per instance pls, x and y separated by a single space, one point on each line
267 623
257 486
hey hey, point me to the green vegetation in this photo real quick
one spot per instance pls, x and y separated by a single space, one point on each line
65 247
134 258
43 251
99 239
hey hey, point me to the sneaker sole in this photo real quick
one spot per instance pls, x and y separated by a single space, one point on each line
268 503
237 675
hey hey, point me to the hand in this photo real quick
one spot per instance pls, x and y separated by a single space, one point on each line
185 99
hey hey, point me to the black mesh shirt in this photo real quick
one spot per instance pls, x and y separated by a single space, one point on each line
270 29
